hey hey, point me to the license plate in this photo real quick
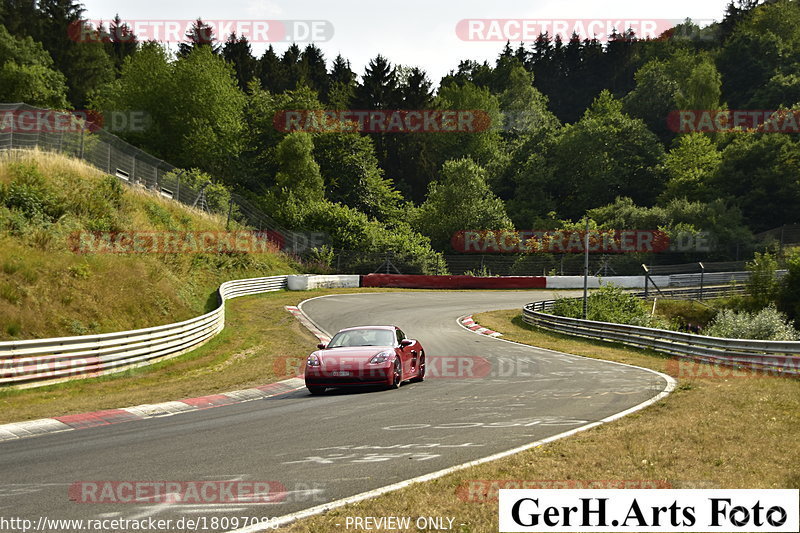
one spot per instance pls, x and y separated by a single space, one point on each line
340 373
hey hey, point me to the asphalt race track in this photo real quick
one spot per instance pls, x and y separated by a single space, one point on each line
328 447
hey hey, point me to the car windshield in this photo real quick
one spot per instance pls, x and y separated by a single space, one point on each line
363 337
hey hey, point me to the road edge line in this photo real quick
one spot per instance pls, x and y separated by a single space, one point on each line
284 520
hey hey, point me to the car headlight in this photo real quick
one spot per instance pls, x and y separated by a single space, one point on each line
381 357
313 360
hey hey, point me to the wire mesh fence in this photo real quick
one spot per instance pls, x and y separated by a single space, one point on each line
360 262
786 235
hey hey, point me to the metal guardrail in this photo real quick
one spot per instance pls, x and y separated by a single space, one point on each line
42 361
772 356
713 278
694 293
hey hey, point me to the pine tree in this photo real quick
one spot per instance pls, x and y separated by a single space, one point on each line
342 83
76 48
341 71
378 87
415 91
315 70
238 53
293 72
21 18
542 49
200 34
121 42
270 71
523 56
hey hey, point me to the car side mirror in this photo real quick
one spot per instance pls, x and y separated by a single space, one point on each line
406 342
322 346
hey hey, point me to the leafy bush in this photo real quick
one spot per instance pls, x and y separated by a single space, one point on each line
30 194
9 293
608 304
351 230
768 324
217 195
762 287
482 272
97 204
685 315
160 216
38 208
789 290
460 199
319 260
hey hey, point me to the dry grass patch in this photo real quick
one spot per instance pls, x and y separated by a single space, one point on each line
48 290
261 343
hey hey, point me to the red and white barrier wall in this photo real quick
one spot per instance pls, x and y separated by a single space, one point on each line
505 282
411 281
304 282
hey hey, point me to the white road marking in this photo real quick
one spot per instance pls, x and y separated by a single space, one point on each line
151 510
319 509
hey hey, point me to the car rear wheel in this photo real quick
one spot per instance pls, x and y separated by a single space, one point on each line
397 374
421 368
316 390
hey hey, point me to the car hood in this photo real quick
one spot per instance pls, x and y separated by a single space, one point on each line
352 352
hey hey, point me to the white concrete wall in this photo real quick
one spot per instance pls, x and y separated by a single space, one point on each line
629 282
304 282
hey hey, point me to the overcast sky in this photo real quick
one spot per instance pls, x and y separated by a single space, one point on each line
409 32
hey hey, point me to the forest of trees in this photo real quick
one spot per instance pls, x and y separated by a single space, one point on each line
578 127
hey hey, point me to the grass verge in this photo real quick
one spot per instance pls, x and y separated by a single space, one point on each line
727 431
50 288
260 344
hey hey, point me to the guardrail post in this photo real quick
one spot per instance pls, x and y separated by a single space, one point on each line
646 280
702 277
586 271
230 209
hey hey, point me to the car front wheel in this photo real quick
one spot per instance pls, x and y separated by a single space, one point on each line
397 374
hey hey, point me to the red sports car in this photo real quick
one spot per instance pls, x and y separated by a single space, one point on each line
365 355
